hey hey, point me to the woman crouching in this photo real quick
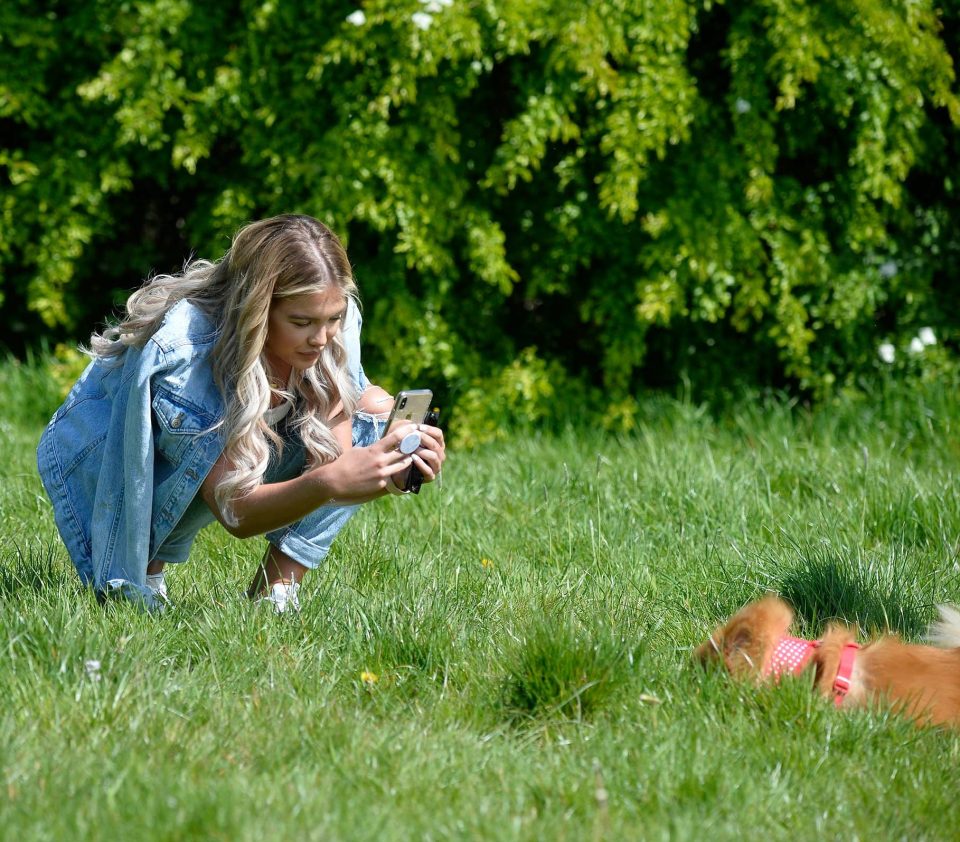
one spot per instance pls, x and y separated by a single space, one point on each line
230 391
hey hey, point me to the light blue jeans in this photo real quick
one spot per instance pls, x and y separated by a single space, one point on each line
306 541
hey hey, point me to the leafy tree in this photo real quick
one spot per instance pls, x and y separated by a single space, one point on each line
538 195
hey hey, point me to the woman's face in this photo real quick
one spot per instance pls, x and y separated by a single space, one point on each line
298 329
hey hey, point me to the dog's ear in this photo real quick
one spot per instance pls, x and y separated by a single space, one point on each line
742 650
730 644
711 650
746 641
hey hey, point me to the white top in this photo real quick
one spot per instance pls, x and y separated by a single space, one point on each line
275 414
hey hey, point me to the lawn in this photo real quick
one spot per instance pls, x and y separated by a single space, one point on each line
506 657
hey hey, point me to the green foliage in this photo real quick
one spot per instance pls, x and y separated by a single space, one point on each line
32 388
66 365
757 192
520 396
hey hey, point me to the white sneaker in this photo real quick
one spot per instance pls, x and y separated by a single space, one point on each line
153 600
283 597
158 585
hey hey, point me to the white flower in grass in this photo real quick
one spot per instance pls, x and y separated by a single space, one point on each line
888 269
916 345
742 106
926 336
421 20
92 668
887 352
357 18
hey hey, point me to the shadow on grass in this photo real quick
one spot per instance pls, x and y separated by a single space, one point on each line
876 594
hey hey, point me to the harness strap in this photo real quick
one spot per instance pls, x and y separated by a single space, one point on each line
792 654
841 684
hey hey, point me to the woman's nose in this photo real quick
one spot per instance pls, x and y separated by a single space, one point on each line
319 339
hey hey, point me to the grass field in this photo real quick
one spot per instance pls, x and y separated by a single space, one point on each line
507 657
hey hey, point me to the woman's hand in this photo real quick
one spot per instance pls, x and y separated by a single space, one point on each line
362 473
430 456
359 474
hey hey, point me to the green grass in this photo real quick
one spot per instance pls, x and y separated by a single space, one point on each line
529 625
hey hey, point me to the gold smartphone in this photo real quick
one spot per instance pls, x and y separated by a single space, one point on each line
409 407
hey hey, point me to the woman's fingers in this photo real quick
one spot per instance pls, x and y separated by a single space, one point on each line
433 449
427 470
391 441
435 434
420 445
399 470
408 434
429 458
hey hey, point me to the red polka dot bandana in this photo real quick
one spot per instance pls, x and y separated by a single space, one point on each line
790 656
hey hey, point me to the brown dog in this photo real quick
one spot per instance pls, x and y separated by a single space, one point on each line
921 681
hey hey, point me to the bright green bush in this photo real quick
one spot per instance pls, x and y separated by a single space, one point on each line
752 191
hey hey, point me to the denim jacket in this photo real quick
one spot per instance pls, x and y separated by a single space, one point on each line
126 453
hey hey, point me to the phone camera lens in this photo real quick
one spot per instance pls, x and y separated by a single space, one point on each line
403 402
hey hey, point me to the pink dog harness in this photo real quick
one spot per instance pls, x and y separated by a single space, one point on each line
792 654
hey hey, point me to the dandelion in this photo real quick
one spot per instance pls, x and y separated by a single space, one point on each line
486 564
742 106
887 352
916 345
369 678
421 20
92 668
357 18
926 336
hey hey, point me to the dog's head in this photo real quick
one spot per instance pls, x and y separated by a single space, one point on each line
745 643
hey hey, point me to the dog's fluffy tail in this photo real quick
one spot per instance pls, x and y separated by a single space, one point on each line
946 632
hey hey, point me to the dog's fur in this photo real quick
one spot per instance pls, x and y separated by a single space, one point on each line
920 681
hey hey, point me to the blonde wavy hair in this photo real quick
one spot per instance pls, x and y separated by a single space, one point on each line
281 257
